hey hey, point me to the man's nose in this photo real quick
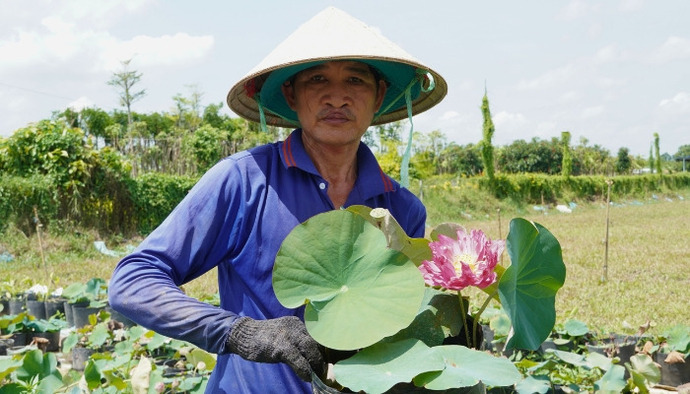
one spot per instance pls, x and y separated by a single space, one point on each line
337 95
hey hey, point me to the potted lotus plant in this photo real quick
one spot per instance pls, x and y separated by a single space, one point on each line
385 303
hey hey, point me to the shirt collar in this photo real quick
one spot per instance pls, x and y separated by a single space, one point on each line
371 180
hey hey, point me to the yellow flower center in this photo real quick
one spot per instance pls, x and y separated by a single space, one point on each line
469 259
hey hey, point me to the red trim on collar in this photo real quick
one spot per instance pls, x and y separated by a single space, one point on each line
287 152
387 183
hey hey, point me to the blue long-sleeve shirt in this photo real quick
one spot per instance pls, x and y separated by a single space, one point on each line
235 218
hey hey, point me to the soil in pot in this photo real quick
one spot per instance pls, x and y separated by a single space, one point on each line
80 355
36 308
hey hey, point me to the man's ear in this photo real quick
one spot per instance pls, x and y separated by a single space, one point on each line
289 94
380 94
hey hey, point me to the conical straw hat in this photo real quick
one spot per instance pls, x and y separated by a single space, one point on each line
335 35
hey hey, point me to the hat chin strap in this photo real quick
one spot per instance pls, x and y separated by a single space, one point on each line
420 76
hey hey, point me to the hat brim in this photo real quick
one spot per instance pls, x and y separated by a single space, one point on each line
398 74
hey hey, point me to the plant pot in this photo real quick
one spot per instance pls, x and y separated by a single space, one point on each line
5 344
53 306
119 317
81 314
69 316
20 338
80 355
675 374
319 387
4 307
36 308
17 306
52 337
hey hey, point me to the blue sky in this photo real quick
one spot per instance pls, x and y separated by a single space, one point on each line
611 72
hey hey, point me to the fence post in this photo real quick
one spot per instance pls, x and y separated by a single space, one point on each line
605 275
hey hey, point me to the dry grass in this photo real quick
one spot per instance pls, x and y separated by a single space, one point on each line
648 279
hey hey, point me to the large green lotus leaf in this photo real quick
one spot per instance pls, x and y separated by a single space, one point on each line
381 366
416 249
439 317
356 290
528 287
465 367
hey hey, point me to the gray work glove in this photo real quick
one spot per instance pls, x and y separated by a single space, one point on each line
281 340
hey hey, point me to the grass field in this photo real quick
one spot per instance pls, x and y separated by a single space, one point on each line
648 260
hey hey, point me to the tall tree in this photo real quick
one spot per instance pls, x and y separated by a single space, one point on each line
487 150
125 80
657 155
567 163
623 162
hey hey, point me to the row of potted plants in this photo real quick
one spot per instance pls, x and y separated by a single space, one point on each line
585 360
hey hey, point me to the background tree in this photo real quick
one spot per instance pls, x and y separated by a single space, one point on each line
651 158
125 80
623 162
567 162
658 156
487 149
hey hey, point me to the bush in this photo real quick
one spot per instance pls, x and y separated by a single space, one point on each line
19 196
155 195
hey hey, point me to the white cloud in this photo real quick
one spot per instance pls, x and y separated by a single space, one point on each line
149 51
507 119
674 48
80 103
577 9
449 115
630 5
679 103
549 79
591 112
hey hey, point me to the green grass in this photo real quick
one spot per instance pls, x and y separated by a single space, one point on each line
648 261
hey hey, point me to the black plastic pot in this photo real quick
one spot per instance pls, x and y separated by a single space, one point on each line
81 314
675 374
5 310
17 306
5 344
53 306
80 355
52 337
119 317
36 308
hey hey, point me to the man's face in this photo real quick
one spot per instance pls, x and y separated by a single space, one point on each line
335 101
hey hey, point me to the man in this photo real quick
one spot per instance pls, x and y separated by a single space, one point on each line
332 79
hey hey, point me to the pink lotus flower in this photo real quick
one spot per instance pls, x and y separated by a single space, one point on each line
468 261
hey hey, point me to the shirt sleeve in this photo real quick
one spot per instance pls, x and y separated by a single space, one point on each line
193 239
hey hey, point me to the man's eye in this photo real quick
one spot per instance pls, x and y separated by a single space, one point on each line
316 78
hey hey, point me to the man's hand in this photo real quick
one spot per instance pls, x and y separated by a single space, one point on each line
284 339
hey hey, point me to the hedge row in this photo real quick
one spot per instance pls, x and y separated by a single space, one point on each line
128 206
537 188
125 206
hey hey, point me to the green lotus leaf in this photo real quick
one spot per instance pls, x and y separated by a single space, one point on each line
528 287
356 290
416 249
440 316
612 382
465 367
383 365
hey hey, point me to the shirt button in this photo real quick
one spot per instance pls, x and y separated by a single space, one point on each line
322 185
